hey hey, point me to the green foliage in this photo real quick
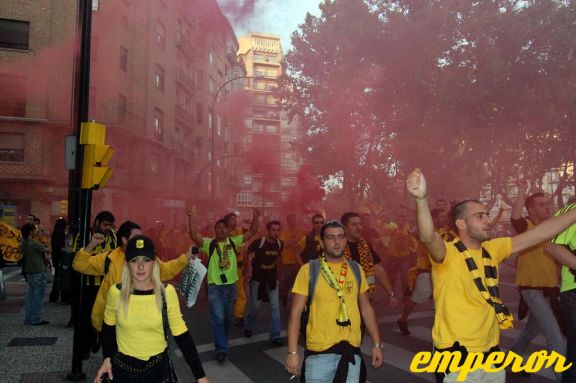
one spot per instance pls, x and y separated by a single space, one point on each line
473 92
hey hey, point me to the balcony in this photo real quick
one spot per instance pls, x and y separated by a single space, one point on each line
185 80
184 44
184 116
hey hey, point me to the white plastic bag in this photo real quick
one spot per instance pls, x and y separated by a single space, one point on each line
191 281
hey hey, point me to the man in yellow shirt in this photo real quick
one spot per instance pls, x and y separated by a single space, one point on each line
339 304
310 243
466 317
289 236
537 278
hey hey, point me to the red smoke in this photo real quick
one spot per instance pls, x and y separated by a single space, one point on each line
306 195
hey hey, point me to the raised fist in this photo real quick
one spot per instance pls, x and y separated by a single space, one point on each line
416 184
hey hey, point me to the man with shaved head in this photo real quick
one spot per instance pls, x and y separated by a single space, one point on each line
469 312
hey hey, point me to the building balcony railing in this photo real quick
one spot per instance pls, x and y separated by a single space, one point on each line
185 45
185 79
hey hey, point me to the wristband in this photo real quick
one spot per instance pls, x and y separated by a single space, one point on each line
292 352
379 345
421 198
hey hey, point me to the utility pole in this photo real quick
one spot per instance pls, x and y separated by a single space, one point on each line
82 197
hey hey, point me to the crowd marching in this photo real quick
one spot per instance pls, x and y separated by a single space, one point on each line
327 274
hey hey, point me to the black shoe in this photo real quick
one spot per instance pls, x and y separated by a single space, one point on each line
221 357
239 322
41 323
403 326
248 333
277 342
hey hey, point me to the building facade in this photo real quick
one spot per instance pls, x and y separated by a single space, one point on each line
272 158
160 73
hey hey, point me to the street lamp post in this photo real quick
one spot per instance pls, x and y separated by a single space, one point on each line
213 157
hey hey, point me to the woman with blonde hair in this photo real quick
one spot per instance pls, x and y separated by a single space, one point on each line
138 314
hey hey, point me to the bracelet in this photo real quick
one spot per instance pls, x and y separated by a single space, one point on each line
421 198
379 345
292 352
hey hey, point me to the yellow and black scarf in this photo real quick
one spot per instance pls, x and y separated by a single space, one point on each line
343 317
366 261
489 292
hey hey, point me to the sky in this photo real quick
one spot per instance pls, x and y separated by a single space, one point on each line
279 17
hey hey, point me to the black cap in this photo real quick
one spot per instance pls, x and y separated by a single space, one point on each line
140 246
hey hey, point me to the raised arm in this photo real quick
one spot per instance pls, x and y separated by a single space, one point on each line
416 185
543 231
562 255
193 227
86 263
253 225
520 199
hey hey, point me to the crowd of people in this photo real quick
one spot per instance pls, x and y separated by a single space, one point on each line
329 274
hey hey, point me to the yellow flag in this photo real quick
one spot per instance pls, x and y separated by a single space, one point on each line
10 239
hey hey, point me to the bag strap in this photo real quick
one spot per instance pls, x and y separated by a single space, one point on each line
314 270
107 262
164 316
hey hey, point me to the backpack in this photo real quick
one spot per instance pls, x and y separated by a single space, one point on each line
313 281
212 248
263 241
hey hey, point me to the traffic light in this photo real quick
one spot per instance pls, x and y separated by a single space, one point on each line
95 173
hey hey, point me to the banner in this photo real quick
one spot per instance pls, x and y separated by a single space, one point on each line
191 281
10 239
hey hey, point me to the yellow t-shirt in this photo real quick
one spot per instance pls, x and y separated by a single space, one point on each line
322 331
141 333
289 253
462 314
535 267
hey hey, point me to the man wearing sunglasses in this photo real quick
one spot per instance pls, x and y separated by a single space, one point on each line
310 243
338 303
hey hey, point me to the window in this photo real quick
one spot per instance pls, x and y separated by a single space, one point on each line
95 5
218 125
160 34
14 34
199 112
244 198
154 165
11 147
271 129
209 120
159 78
123 59
199 80
122 107
211 58
13 103
158 124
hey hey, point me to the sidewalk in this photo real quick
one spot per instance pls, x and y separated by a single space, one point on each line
38 354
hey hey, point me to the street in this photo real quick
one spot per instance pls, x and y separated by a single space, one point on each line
249 360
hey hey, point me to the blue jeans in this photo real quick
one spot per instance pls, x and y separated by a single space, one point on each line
221 299
322 368
34 297
255 305
540 321
568 299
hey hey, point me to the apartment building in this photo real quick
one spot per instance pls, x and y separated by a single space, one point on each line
271 135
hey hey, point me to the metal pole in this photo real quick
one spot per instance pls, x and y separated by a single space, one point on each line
84 195
213 111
